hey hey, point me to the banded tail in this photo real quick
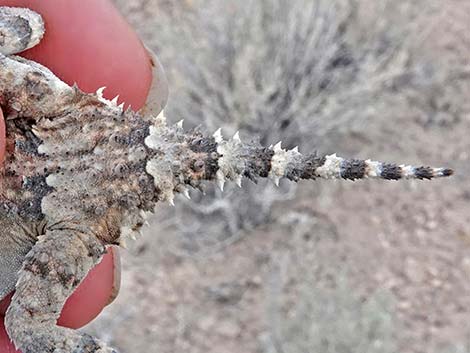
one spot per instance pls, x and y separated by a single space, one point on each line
186 158
352 169
291 164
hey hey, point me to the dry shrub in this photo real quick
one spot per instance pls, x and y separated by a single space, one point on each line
331 320
300 71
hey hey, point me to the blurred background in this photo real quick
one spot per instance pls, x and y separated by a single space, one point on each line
318 267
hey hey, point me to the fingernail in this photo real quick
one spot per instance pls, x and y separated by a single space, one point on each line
116 275
158 93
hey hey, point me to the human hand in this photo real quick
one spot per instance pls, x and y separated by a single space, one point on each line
87 42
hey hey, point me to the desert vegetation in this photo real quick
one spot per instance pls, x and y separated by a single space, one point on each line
319 267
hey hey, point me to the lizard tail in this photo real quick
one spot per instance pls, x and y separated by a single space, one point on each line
180 159
237 159
334 167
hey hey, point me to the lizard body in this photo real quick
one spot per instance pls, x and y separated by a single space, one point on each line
81 173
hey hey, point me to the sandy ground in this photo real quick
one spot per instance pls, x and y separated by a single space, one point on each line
411 240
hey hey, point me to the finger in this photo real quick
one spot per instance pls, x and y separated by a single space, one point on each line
91 296
114 57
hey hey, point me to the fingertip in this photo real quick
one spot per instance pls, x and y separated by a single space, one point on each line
91 296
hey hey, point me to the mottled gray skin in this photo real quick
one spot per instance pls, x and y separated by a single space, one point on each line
81 174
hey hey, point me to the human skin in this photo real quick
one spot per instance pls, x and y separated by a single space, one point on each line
87 42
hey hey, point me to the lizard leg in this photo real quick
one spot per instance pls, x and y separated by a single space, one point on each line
53 268
27 88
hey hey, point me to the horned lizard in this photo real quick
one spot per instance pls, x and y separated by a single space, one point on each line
83 173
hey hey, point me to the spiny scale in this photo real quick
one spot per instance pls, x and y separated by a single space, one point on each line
234 159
